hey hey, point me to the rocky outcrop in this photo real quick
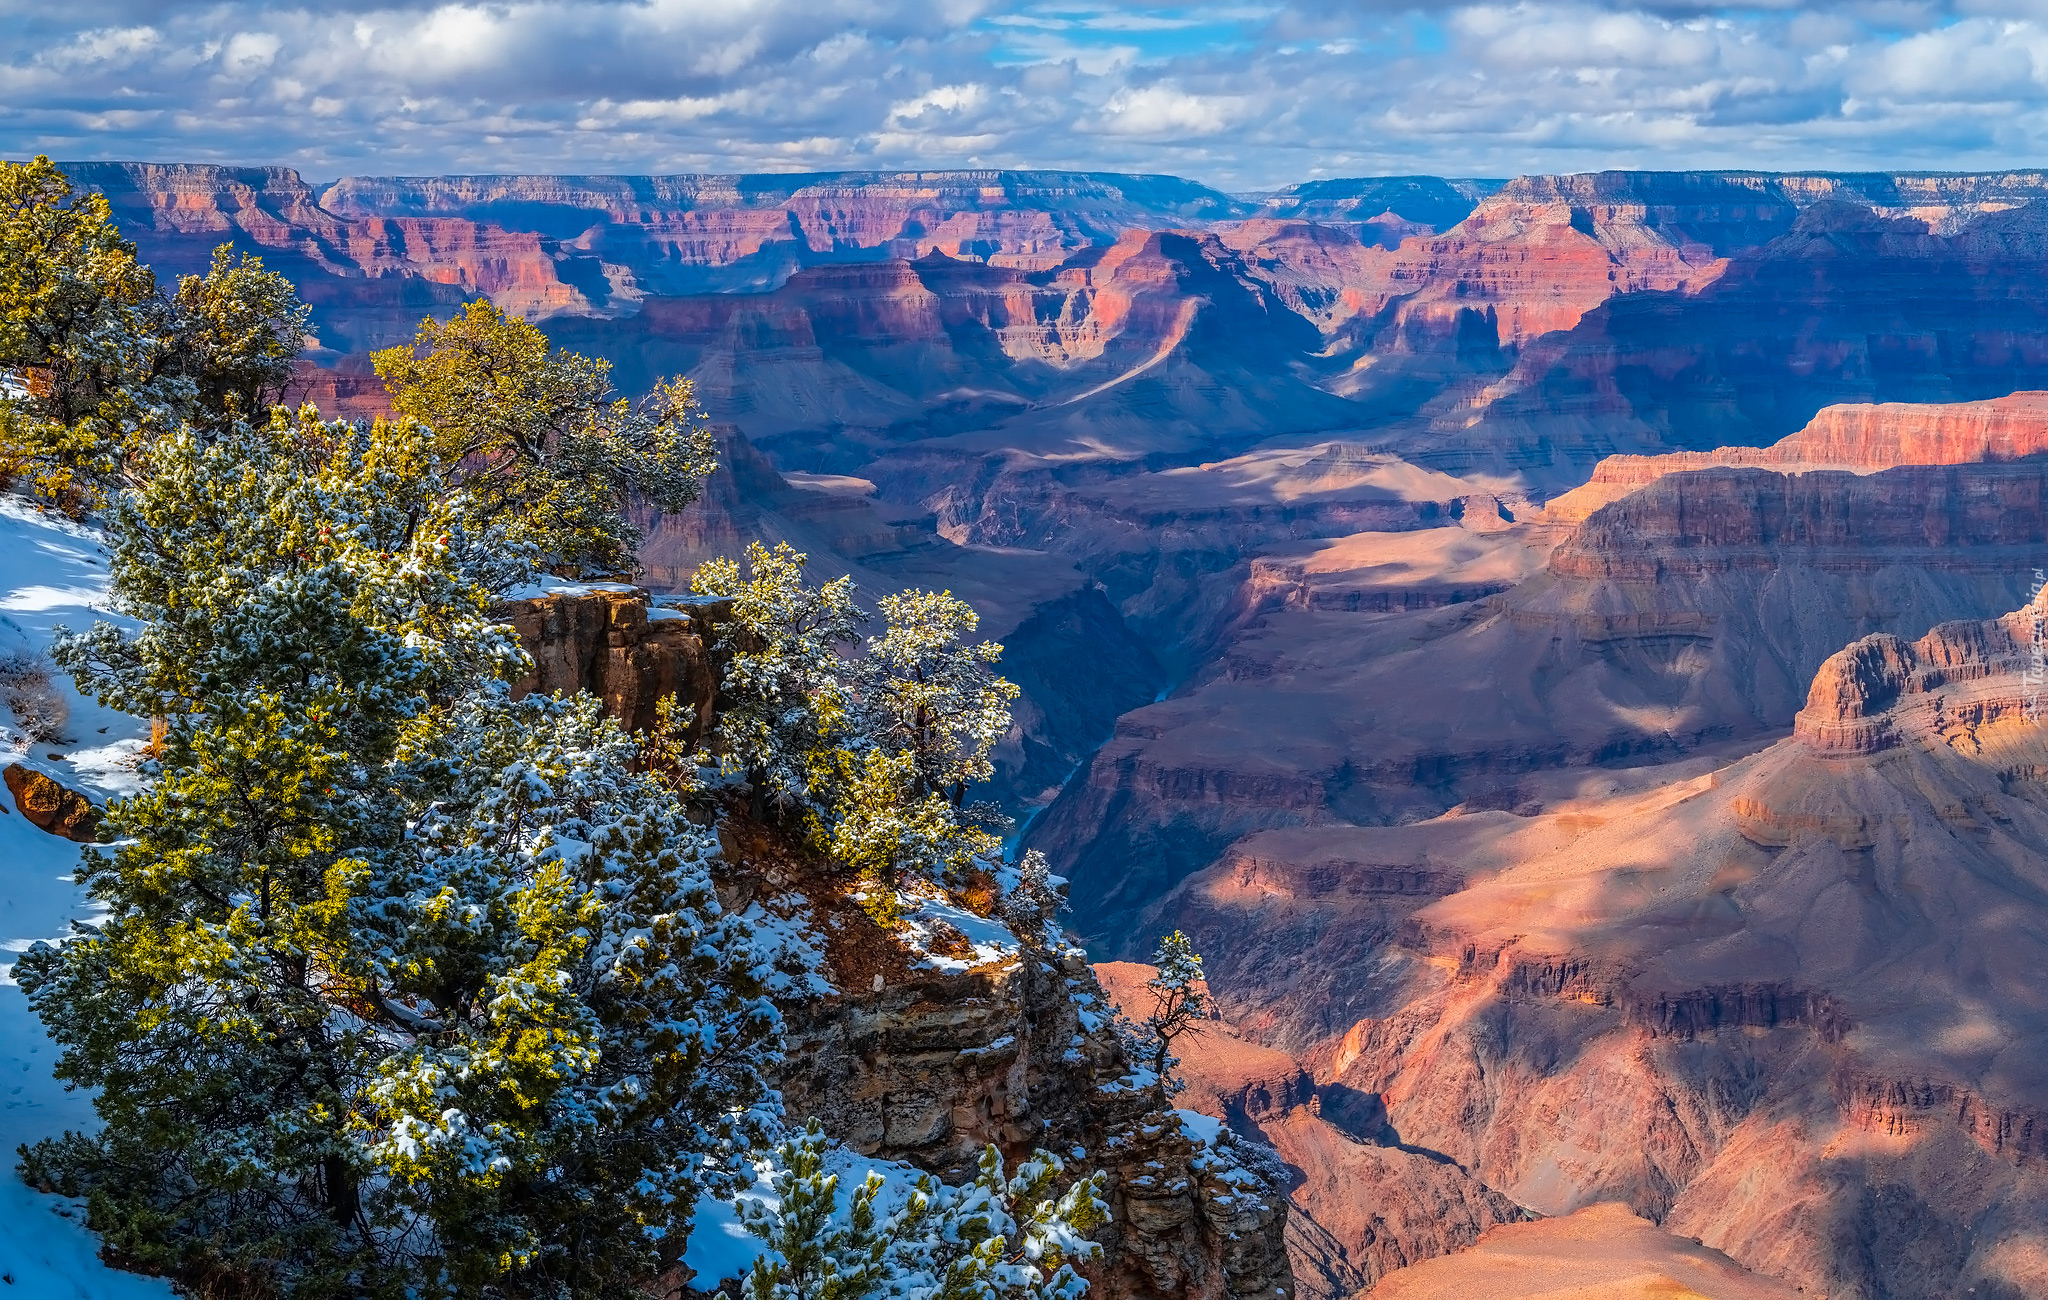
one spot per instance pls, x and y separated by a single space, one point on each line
1600 1251
50 805
929 1066
612 641
1361 1206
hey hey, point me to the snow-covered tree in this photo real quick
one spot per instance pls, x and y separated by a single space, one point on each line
1180 1004
540 440
994 1238
235 332
1035 900
581 1033
884 830
926 694
403 988
783 697
932 697
102 363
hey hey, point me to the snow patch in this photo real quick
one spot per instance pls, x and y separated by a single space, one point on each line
52 572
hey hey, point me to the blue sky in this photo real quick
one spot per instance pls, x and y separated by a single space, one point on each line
1240 95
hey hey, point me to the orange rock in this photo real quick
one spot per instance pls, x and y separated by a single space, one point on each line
52 806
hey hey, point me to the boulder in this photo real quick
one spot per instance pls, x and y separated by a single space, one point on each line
52 806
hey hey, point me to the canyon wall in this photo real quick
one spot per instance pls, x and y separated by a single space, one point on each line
1690 614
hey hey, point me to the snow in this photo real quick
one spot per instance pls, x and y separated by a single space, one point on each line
1205 1129
552 586
51 572
786 942
720 1246
722 1249
990 939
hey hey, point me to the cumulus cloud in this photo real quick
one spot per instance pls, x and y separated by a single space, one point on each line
1243 94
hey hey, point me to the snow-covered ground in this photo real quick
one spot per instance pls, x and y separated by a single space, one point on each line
51 572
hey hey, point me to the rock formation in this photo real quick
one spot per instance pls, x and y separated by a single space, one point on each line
50 805
1601 1252
1784 1005
1855 436
1692 613
613 642
1360 1206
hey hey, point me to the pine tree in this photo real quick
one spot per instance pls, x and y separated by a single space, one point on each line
235 332
884 831
540 441
1035 902
1180 1003
104 364
83 339
925 694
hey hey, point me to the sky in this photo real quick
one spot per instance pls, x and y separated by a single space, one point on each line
1242 96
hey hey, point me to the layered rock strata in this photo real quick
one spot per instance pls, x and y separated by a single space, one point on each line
1782 1006
1690 614
932 1067
1859 437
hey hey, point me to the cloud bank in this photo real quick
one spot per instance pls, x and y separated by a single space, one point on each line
1242 96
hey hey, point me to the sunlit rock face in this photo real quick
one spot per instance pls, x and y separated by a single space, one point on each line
1780 1004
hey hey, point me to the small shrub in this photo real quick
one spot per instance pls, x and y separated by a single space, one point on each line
38 707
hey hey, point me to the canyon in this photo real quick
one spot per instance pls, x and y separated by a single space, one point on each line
1551 642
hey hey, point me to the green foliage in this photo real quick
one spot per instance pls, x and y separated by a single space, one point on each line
236 331
927 695
876 752
81 338
540 441
403 988
883 830
994 1238
784 697
103 365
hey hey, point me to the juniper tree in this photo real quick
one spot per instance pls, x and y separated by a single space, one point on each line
540 441
403 988
1036 899
993 1238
